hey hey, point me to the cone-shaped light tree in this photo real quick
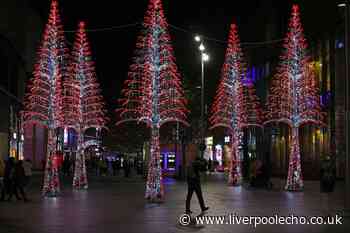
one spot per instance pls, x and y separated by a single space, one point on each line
294 95
227 108
153 92
83 103
44 100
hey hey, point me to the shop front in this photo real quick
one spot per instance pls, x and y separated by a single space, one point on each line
170 159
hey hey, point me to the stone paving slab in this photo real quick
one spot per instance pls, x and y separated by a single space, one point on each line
117 205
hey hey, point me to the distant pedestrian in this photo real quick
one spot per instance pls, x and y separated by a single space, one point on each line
8 178
106 167
66 166
27 165
18 182
139 167
95 165
255 172
115 166
72 165
110 169
194 184
118 165
210 166
102 167
327 182
126 166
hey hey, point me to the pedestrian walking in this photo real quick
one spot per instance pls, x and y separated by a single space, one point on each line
194 185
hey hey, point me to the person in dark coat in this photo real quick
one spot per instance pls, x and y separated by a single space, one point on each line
114 167
18 183
126 166
8 178
328 174
210 165
327 182
118 165
194 184
66 166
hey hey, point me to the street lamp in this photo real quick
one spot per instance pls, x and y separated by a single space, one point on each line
204 58
197 38
201 47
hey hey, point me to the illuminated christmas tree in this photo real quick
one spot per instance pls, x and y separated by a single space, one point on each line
44 100
153 93
227 109
294 95
83 103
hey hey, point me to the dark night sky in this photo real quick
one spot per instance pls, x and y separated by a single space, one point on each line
112 50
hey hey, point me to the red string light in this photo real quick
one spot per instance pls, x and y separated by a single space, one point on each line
153 92
294 94
43 102
227 109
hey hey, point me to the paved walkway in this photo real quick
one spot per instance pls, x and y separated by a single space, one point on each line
117 205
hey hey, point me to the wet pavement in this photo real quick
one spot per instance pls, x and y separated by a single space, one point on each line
116 204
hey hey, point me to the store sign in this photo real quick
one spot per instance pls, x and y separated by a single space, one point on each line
91 143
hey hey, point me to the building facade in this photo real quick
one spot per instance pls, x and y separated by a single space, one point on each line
20 30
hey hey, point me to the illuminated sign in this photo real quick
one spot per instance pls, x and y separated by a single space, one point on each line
168 161
65 136
171 164
209 141
218 154
91 143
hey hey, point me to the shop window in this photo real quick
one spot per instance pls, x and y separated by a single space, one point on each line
171 161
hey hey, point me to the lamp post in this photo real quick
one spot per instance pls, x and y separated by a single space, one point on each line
204 58
345 6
